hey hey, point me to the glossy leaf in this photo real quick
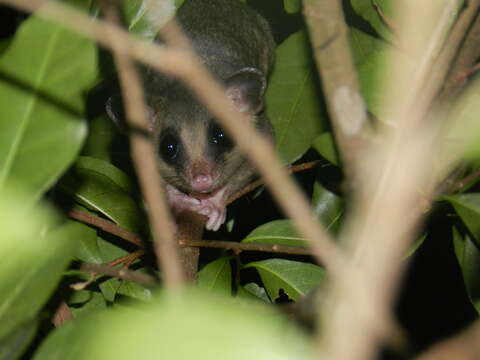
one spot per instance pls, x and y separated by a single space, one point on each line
293 100
467 207
327 206
468 257
217 276
281 232
101 187
14 344
33 257
44 75
293 277
158 330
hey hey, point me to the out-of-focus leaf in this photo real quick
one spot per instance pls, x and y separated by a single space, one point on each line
292 6
146 17
101 187
280 232
467 207
293 100
33 257
44 75
293 277
158 330
325 145
217 276
14 344
468 257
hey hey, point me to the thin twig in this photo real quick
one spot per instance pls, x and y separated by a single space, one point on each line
465 181
466 47
128 259
118 272
106 225
239 247
144 158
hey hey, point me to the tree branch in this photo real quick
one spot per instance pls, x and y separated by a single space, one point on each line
240 247
330 43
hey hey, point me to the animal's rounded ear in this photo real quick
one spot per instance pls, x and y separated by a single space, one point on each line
246 89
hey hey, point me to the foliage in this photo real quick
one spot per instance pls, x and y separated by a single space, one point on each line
46 73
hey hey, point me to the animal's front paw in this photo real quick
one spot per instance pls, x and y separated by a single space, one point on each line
215 212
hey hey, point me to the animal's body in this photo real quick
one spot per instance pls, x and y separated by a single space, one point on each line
200 165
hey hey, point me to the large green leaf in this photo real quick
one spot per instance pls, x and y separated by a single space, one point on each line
293 100
44 75
467 207
281 232
293 277
217 276
101 187
468 257
33 257
192 325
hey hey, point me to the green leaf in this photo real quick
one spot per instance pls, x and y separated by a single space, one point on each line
293 100
468 257
281 232
134 290
217 276
293 277
101 187
87 247
83 302
327 206
100 139
467 207
44 75
33 258
325 146
253 292
158 330
14 344
292 6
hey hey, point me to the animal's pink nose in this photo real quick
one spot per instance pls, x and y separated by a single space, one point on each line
202 182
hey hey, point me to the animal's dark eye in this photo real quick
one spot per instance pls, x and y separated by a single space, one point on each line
169 148
219 138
